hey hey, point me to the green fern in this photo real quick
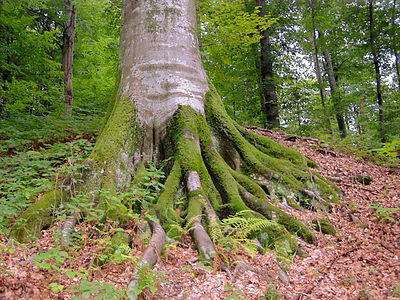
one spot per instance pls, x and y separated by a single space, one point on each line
240 230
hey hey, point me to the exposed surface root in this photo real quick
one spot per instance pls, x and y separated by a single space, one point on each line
217 170
149 258
68 227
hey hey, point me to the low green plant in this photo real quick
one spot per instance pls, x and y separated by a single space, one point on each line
391 149
96 290
51 260
235 293
383 212
146 188
396 291
55 287
149 280
271 293
27 174
81 273
240 227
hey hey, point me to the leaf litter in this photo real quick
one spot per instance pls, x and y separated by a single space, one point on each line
362 261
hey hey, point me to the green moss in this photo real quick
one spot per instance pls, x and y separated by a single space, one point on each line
196 205
278 238
249 185
165 207
113 99
272 148
39 215
327 190
288 172
273 213
324 226
254 160
114 149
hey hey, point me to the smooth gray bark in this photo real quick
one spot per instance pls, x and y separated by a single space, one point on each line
160 65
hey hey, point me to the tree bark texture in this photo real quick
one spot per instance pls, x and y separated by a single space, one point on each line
161 66
333 84
318 68
375 55
395 46
270 108
68 54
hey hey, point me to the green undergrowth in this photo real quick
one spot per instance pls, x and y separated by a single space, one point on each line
109 237
27 132
36 153
385 154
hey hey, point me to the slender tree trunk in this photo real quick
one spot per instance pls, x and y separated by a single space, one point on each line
318 69
68 55
395 46
333 84
269 105
377 70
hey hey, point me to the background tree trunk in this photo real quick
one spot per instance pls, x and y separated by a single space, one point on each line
270 108
332 79
317 68
68 55
394 45
375 54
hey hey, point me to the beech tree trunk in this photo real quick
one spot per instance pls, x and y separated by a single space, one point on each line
160 65
68 54
164 107
269 103
375 55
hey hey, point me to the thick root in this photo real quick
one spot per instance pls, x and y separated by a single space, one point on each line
68 227
218 171
149 258
39 215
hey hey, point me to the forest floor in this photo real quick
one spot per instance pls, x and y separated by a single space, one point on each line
362 261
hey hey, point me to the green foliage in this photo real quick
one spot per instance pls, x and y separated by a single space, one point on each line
145 189
32 157
235 294
396 291
96 53
51 260
240 230
271 293
383 212
149 279
96 290
229 36
55 287
391 149
31 81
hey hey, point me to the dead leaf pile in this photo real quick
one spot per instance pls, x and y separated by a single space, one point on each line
361 262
